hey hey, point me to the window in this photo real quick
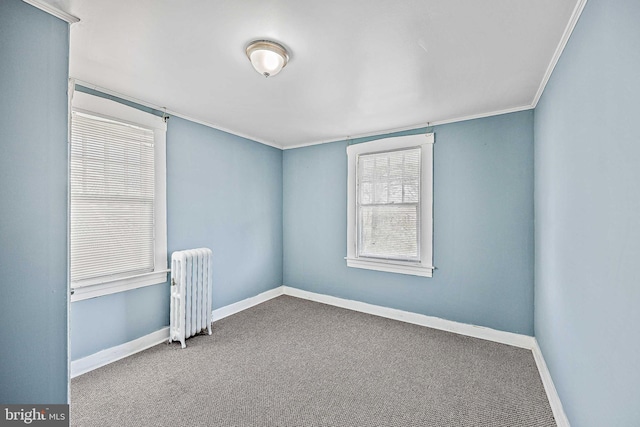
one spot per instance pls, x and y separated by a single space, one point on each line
117 187
390 209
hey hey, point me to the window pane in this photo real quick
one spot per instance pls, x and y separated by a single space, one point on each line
366 192
389 204
112 188
389 231
389 177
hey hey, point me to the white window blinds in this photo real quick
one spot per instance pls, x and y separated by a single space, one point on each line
111 198
388 205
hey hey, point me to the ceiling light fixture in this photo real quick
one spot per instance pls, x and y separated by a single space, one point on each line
267 57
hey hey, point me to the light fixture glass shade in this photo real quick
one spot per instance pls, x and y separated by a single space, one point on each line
267 57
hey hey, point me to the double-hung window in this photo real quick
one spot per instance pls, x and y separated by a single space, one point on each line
389 225
117 198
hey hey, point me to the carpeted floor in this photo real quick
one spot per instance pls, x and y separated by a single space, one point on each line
292 362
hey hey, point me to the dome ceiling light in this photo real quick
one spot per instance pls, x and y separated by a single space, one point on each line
267 57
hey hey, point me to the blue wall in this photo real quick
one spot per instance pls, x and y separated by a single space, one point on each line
226 193
483 227
34 50
223 192
587 197
107 321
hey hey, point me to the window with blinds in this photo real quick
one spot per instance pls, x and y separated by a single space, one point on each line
111 199
389 205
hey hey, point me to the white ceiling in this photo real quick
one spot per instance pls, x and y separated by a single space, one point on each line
357 67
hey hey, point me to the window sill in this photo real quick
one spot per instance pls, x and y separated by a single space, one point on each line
390 267
100 289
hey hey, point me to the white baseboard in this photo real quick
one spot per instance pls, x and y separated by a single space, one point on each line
517 340
104 357
549 387
236 307
110 355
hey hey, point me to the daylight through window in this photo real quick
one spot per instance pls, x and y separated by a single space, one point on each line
117 198
389 211
389 205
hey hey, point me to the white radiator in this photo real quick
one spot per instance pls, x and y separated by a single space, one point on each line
191 283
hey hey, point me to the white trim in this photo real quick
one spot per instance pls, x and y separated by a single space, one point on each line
566 35
390 267
573 20
510 338
70 88
392 143
381 132
384 133
53 11
94 105
126 284
489 334
549 387
424 267
108 108
110 355
174 113
236 307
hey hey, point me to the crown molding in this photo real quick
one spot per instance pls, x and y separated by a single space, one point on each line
172 112
53 11
414 126
577 11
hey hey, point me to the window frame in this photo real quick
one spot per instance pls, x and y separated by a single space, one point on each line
108 109
424 266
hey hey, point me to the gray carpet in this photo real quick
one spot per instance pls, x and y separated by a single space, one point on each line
292 362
